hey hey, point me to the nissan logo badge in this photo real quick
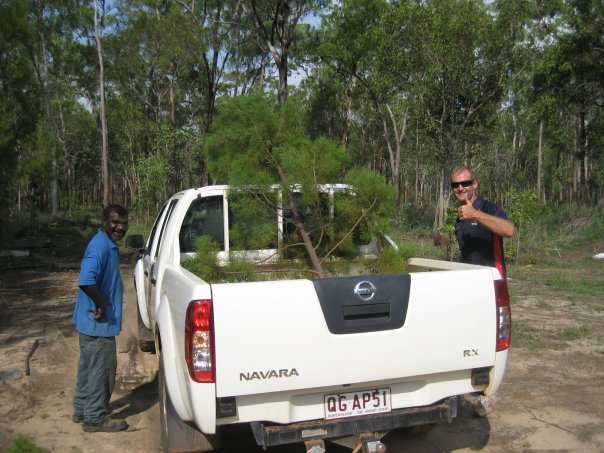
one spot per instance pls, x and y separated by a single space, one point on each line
365 290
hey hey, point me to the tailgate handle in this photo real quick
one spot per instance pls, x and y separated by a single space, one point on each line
366 311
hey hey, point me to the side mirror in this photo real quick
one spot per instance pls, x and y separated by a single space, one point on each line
135 241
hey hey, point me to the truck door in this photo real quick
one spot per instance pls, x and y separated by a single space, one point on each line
152 253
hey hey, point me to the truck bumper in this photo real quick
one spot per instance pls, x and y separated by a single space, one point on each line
271 435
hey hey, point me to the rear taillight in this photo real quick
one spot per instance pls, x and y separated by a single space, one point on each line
504 315
199 341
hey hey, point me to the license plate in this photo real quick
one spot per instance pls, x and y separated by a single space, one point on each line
340 405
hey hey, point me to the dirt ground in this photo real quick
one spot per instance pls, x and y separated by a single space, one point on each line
552 398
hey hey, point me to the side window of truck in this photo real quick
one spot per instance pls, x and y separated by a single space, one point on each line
163 226
154 230
205 217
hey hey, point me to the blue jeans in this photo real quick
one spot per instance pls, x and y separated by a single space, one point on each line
96 377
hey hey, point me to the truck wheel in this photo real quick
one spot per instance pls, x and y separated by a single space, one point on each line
177 435
146 342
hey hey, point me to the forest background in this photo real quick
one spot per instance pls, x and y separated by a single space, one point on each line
120 101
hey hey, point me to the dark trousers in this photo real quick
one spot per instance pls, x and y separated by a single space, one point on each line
96 377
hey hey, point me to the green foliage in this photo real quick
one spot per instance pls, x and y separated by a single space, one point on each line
523 208
373 198
206 265
525 211
594 229
447 231
253 223
477 80
559 228
525 335
583 285
22 444
257 147
448 226
575 333
154 171
136 226
392 261
69 229
255 142
237 269
205 262
413 215
20 101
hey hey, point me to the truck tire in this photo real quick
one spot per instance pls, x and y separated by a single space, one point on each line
146 342
176 435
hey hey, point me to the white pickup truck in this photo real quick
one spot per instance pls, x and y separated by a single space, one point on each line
343 359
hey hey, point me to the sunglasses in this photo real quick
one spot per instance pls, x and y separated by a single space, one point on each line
468 183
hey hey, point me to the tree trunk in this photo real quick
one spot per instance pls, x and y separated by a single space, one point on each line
282 92
540 195
102 114
347 113
582 159
299 224
441 204
43 81
282 22
578 189
310 250
395 158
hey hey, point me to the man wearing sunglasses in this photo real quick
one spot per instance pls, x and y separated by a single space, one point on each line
481 224
480 228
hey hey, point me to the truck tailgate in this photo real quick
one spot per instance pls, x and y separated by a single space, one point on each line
278 336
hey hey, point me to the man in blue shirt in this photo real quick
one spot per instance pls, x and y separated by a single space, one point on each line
481 224
98 319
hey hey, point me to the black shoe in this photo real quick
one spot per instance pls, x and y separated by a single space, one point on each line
78 417
106 426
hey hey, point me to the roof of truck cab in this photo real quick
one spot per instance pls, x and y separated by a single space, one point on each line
275 186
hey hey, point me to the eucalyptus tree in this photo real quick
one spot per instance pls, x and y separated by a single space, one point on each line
77 136
158 109
48 28
215 28
354 34
98 19
20 106
454 58
82 61
518 145
572 71
276 23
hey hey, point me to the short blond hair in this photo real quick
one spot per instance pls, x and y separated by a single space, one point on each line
462 169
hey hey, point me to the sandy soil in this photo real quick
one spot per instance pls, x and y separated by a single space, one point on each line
552 398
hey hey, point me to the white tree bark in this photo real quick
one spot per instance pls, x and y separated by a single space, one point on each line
102 114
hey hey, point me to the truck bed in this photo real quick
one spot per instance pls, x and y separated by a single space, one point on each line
273 342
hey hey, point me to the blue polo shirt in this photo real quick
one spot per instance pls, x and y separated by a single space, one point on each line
477 244
101 267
